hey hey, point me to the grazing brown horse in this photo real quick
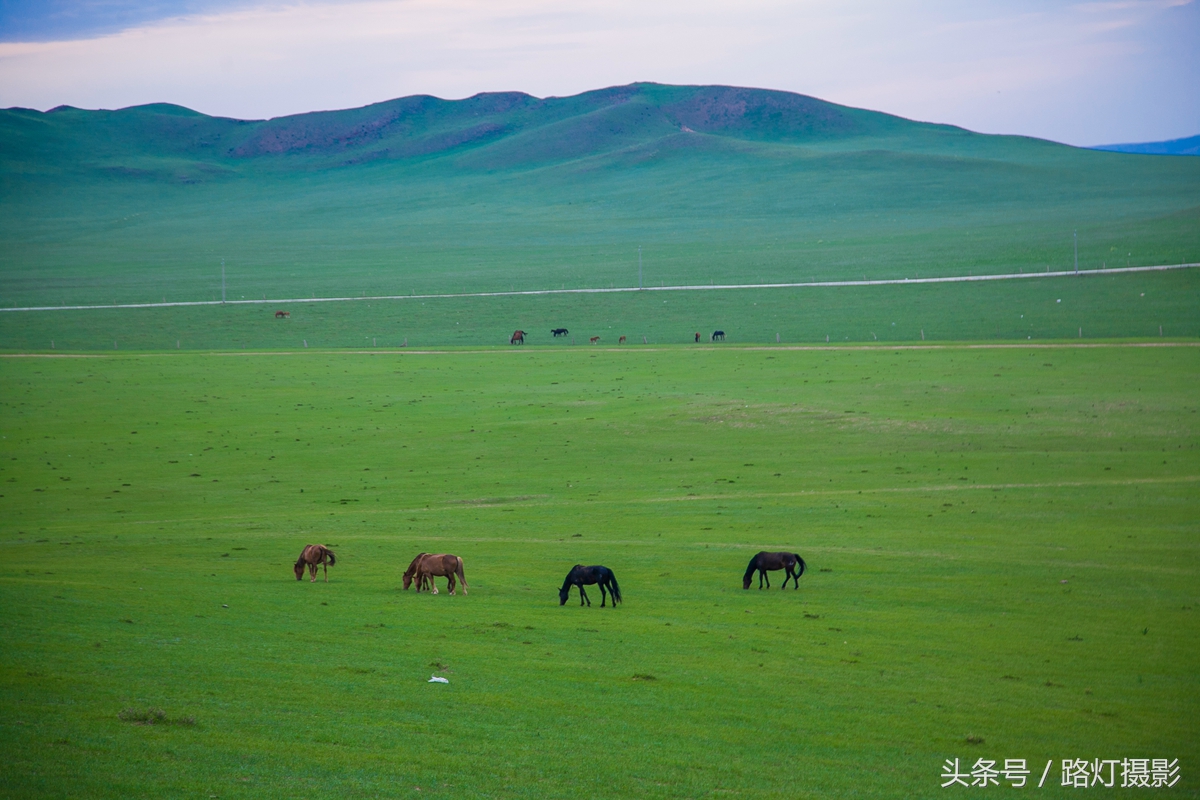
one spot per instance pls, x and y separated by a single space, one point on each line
770 561
594 339
283 314
425 567
311 556
518 337
621 340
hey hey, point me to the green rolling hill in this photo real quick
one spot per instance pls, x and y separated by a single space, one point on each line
508 191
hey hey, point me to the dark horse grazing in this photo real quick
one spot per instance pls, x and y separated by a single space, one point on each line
769 561
718 335
518 337
283 314
556 332
580 575
425 567
311 556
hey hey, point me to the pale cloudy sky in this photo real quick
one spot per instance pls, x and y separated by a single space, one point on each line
1077 72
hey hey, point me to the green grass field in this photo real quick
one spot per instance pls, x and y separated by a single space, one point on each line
1002 546
1093 307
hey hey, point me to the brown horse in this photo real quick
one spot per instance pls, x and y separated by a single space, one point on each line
311 556
594 339
425 567
764 561
518 337
283 314
621 340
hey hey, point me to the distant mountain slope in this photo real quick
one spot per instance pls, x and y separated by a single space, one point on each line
1189 146
505 190
420 127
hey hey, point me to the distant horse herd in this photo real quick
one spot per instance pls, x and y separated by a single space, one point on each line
518 336
426 566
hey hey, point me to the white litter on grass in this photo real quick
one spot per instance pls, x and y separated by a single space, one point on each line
436 679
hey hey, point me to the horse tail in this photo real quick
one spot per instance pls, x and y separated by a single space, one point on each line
332 557
462 577
800 561
613 588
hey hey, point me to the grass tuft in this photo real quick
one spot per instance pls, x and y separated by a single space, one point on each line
152 716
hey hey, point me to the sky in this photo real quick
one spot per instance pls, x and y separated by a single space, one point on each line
1084 73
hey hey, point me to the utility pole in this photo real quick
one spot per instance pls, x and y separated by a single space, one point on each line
1076 252
639 266
222 280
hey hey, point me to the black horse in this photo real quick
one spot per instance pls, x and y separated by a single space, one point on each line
769 561
556 332
718 335
579 575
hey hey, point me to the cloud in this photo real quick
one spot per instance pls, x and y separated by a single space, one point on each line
995 66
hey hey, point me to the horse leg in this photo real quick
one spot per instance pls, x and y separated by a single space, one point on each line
603 595
583 596
325 565
312 571
450 582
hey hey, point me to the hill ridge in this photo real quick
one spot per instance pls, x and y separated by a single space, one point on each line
420 126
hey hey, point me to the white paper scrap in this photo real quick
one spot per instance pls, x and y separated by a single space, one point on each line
436 679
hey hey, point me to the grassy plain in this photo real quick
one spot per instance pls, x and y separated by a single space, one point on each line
1002 545
1092 307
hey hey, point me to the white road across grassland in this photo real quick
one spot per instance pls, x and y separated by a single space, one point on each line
695 288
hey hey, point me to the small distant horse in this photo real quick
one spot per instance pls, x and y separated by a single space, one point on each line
283 315
594 339
771 561
311 556
718 335
697 336
580 575
557 332
621 340
518 337
425 567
